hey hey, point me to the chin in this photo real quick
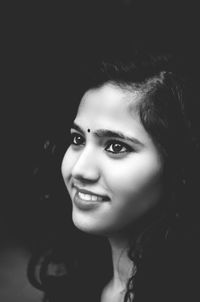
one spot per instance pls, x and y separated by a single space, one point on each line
89 226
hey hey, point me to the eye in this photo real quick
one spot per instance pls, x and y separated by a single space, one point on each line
116 147
77 139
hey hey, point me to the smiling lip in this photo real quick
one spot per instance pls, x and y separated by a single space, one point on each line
87 200
90 193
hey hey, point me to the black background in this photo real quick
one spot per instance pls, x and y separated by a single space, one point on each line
42 42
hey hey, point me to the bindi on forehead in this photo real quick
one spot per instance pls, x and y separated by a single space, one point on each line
88 130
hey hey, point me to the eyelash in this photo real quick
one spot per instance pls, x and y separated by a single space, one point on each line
123 145
73 136
109 144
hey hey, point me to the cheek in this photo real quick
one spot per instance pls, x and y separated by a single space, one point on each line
134 174
136 184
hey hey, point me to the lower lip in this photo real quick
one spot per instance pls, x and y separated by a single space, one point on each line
86 205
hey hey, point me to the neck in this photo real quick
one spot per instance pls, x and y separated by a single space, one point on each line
122 265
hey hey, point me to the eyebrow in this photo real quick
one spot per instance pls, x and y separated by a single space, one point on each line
105 133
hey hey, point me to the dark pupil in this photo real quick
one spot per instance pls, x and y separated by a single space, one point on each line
117 147
77 139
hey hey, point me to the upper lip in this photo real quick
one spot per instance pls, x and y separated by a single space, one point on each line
90 192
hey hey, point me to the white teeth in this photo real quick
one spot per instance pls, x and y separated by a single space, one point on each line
84 196
89 197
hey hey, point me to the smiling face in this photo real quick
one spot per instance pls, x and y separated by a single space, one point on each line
112 169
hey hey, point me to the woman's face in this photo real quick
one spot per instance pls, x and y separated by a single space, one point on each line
112 169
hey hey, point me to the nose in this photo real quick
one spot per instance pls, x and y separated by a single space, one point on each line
86 168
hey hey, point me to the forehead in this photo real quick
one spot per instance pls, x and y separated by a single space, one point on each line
113 108
109 101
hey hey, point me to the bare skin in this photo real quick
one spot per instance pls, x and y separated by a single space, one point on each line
122 268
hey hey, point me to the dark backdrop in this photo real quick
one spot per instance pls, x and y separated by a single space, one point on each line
42 43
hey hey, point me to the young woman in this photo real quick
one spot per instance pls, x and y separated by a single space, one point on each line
128 171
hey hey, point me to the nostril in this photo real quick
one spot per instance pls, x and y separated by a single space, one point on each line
85 172
84 179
